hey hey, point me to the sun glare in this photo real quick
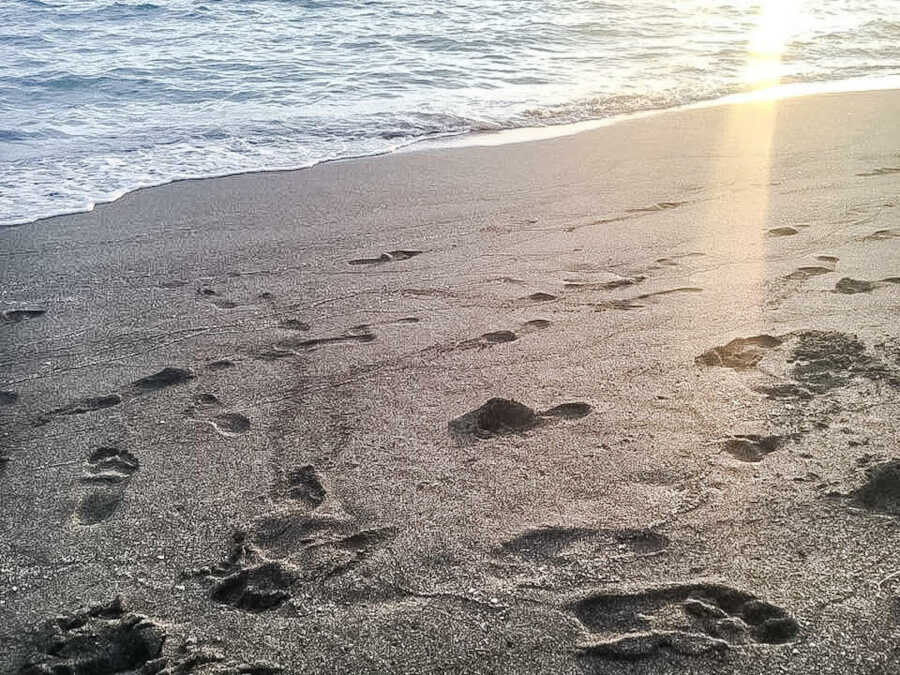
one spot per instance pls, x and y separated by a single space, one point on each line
777 19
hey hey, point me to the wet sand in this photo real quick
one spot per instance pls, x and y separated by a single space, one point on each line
620 402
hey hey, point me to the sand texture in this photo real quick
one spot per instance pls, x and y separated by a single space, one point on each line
622 402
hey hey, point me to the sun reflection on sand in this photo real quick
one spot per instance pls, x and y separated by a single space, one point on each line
744 165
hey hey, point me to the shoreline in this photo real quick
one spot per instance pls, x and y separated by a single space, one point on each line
531 134
619 402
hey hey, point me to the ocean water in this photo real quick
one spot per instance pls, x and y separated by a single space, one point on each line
98 97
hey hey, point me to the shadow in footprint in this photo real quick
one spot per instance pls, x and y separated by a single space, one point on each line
8 397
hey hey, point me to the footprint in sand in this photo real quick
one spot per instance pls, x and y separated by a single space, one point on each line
882 171
626 304
166 377
227 424
782 232
111 469
101 639
17 315
299 545
609 282
740 353
754 448
390 256
503 336
881 490
500 416
572 545
882 235
290 346
689 619
849 286
808 272
294 324
8 397
540 297
230 424
659 206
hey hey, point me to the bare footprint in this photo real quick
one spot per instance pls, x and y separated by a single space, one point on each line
112 467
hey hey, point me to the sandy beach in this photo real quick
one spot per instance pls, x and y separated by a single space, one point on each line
626 401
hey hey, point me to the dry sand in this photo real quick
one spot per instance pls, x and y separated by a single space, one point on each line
622 402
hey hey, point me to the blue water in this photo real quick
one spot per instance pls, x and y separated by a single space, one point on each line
100 97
